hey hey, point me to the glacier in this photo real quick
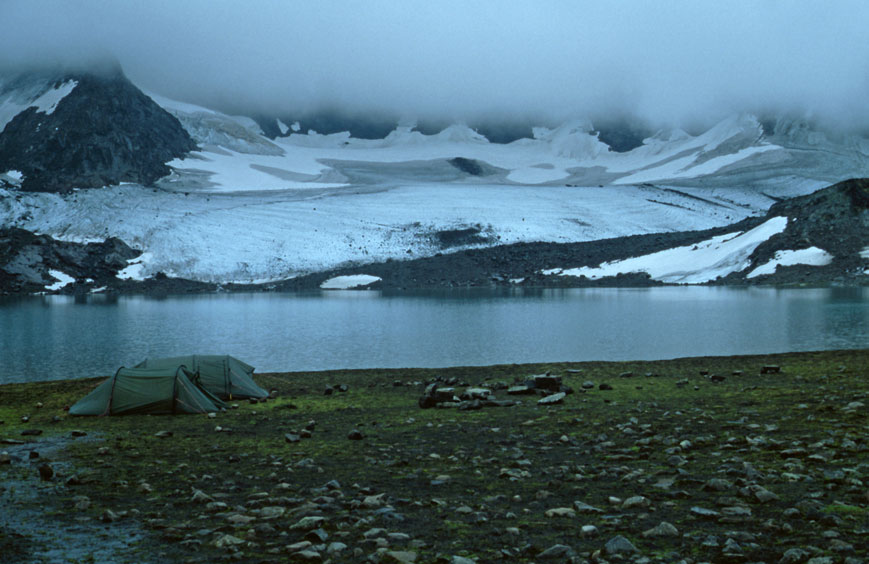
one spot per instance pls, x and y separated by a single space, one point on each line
245 208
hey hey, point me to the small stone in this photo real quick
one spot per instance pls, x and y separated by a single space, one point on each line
704 513
82 502
31 432
336 547
238 520
292 438
552 399
582 507
355 435
560 552
308 523
587 385
46 472
587 531
227 541
619 545
731 547
401 556
163 434
794 556
373 501
762 494
5 458
604 387
306 556
317 536
201 497
77 433
109 516
560 512
299 546
663 529
271 512
636 501
717 484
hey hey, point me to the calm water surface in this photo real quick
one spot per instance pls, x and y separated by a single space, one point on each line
54 337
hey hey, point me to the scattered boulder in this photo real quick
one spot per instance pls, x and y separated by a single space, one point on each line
663 529
46 472
619 545
228 541
552 399
434 396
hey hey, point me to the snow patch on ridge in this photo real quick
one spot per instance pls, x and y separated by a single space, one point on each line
349 282
136 268
62 280
693 264
41 96
48 102
813 256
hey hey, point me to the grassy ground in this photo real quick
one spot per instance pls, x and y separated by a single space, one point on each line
434 484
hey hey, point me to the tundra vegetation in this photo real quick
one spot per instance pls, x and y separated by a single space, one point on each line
730 459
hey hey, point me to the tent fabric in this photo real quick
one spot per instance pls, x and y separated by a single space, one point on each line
154 391
224 376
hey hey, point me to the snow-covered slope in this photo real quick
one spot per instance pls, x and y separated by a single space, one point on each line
235 156
246 208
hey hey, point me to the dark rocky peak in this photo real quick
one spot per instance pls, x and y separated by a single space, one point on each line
87 129
849 197
835 219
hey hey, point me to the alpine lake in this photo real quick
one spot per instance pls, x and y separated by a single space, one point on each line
61 337
744 456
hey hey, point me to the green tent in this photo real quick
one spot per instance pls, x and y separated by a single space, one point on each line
224 376
157 391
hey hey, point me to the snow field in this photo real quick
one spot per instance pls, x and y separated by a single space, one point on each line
694 264
813 256
349 282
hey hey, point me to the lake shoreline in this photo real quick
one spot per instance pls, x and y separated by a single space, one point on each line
765 453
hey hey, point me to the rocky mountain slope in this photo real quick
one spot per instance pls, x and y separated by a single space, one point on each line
31 263
85 130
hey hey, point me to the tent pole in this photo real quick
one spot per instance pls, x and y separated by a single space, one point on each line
112 392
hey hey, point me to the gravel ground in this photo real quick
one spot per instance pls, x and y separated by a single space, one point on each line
731 459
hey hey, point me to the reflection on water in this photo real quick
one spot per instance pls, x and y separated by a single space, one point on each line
53 337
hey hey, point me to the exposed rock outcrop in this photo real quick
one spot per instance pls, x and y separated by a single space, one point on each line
26 260
102 130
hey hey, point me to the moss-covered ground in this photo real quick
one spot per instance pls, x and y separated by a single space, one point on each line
473 483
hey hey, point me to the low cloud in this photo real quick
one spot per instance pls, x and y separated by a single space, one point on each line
667 62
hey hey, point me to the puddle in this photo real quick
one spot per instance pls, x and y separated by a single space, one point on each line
37 526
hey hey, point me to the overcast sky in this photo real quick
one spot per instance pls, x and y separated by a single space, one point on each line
665 61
